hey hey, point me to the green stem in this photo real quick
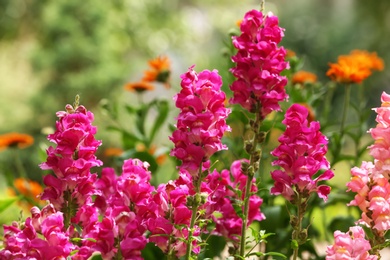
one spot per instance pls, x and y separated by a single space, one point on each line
19 164
254 163
195 206
345 109
246 212
297 229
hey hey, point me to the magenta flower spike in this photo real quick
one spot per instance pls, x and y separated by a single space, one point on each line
201 122
259 62
301 155
72 158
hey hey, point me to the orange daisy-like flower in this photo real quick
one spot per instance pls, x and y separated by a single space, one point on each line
15 140
302 77
139 87
159 70
355 67
29 189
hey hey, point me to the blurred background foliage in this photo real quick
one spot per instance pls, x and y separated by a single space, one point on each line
52 50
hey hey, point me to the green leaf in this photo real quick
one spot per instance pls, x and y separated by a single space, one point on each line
96 257
129 140
130 109
276 254
163 110
141 118
5 203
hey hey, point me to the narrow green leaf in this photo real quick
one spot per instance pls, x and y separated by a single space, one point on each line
163 110
5 203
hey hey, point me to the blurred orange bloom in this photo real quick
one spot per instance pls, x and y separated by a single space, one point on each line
139 87
15 140
290 54
311 116
160 71
355 67
112 152
302 77
152 151
29 189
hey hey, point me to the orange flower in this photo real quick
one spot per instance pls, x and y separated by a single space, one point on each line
152 151
290 54
311 116
113 152
160 70
139 87
302 77
355 67
15 140
29 189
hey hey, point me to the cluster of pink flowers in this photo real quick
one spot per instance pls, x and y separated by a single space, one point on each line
301 155
41 237
350 245
72 159
117 215
228 223
371 180
201 122
259 62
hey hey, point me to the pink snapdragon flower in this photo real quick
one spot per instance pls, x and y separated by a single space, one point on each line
127 204
201 122
380 150
169 230
370 182
72 158
41 237
228 223
350 245
301 155
259 62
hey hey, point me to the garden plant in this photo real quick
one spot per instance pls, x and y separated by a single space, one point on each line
249 167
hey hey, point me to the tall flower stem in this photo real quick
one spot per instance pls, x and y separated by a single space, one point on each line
339 142
254 163
195 206
298 235
347 98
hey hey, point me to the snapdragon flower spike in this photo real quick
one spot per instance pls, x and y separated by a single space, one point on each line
259 62
370 181
72 158
380 150
301 155
350 245
201 122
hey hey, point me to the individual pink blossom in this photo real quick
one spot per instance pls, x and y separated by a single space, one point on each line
350 245
301 155
201 122
259 87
